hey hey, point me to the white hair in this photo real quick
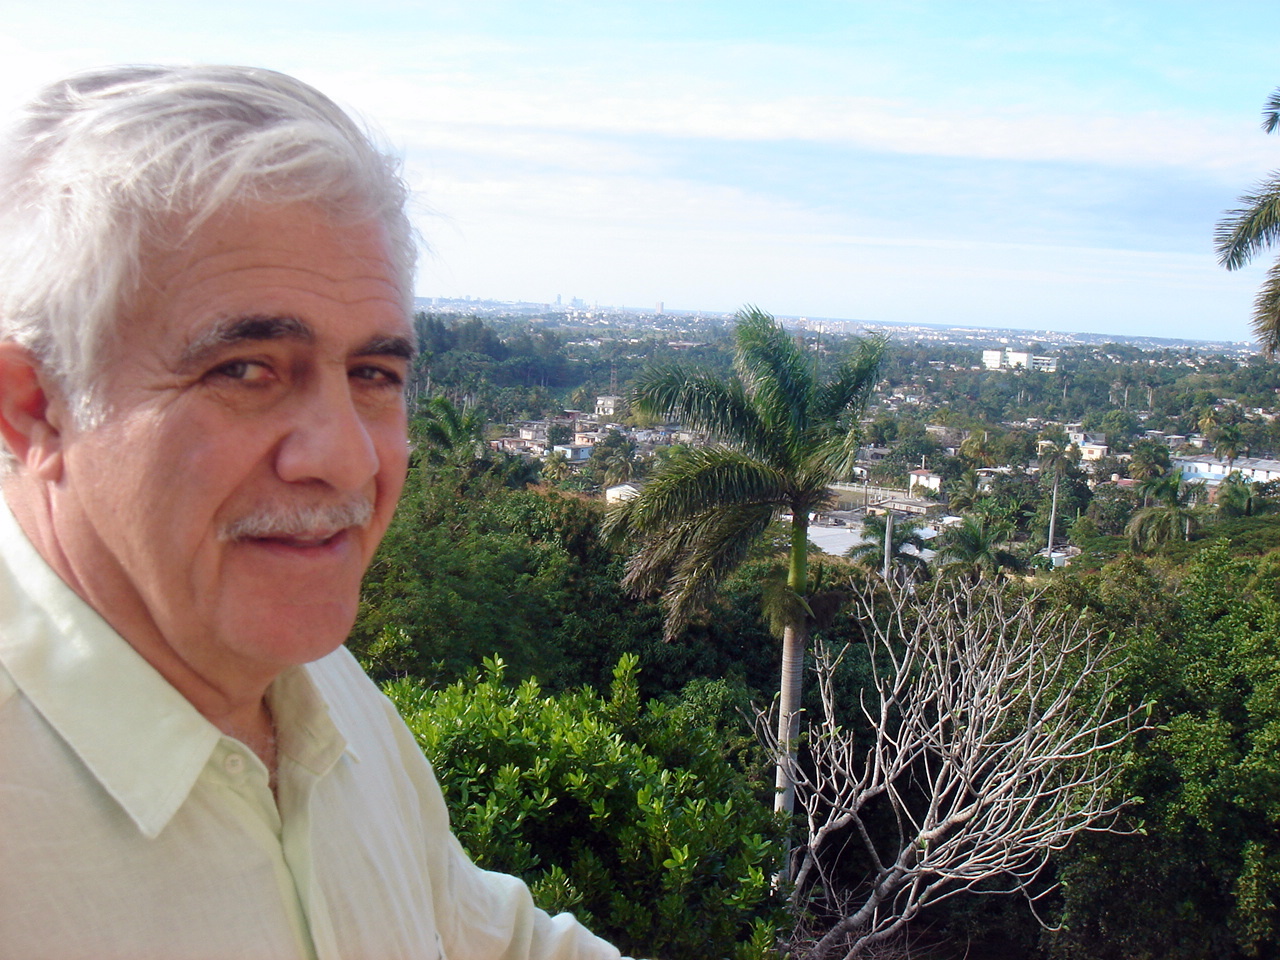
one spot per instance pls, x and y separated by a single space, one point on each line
112 163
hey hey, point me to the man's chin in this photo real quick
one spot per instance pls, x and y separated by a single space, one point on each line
285 635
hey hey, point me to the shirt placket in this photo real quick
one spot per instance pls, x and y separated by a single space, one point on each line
239 771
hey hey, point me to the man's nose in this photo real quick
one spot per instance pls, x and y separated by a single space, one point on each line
328 440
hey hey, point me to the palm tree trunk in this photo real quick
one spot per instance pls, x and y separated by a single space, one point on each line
1053 517
888 542
795 638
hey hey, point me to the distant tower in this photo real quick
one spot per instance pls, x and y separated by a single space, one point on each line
659 307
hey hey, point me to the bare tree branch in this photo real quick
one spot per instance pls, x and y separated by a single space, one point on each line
990 728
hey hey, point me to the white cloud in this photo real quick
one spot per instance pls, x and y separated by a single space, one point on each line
472 102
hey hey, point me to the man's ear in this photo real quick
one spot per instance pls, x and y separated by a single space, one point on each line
30 413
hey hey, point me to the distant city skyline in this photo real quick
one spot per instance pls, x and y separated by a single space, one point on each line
1013 163
975 336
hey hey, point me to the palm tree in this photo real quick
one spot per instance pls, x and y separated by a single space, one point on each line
1171 517
1228 440
556 467
977 447
1160 486
965 492
619 467
1209 420
1055 461
1150 459
974 547
904 532
449 434
780 438
1237 497
1245 231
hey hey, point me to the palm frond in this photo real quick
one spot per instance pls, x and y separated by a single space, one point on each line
1266 312
1271 112
1241 233
703 402
775 373
692 557
781 605
848 391
836 454
693 482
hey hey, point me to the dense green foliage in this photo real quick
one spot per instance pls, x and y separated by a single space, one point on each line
632 816
1202 877
473 568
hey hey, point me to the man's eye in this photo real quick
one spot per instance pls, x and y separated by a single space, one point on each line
246 370
376 374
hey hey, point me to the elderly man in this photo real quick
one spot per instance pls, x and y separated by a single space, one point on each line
205 278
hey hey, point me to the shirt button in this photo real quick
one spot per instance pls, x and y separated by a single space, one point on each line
233 764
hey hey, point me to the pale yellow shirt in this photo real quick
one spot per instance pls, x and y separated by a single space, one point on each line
131 828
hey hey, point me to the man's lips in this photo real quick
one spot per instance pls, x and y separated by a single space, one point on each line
307 541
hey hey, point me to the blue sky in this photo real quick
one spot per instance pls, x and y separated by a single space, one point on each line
1035 165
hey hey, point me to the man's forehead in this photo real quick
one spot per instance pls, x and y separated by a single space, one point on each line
254 262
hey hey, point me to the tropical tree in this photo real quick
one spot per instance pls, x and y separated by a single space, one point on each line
619 467
1245 231
975 547
780 438
1237 497
1161 486
978 448
1209 420
1054 461
965 492
559 433
449 433
1228 441
556 467
1171 517
1150 459
904 532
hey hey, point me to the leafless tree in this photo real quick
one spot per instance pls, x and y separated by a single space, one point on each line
988 739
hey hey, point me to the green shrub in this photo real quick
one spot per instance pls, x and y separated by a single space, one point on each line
630 817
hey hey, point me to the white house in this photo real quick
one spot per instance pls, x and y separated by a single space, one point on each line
620 492
1212 471
920 480
1093 451
574 453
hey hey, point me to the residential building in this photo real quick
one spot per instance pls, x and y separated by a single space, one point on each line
921 480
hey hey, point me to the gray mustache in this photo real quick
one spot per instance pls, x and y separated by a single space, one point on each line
299 520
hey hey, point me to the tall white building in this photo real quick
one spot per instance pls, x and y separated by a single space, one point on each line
1017 360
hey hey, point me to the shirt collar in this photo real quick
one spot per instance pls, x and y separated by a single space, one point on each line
139 737
305 732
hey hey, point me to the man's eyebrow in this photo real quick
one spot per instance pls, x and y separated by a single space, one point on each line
386 346
242 329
